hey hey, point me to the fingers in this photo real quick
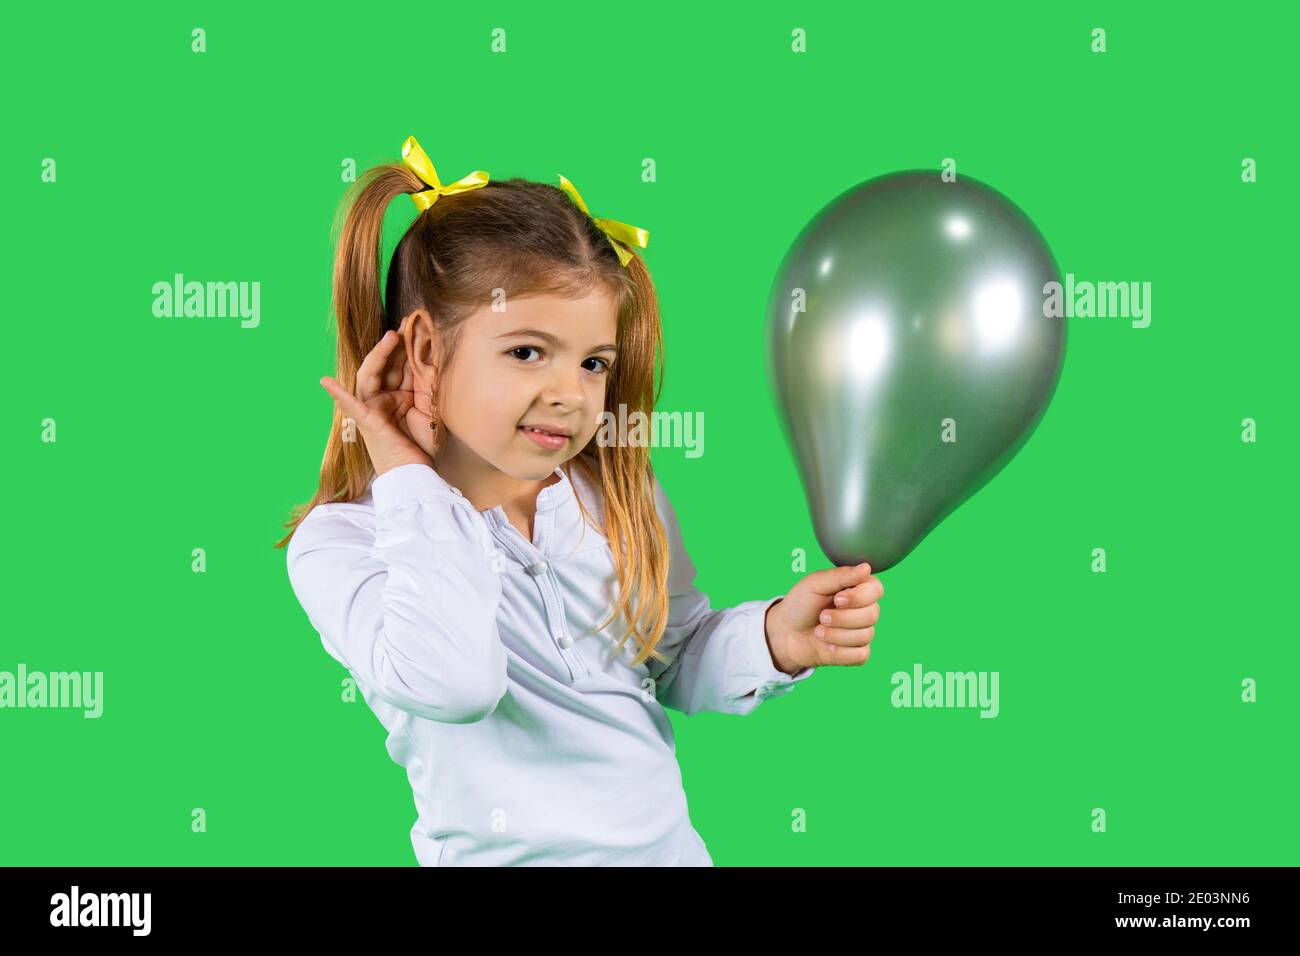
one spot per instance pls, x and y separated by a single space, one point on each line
853 622
837 656
350 407
397 369
844 636
834 580
407 384
370 376
852 617
860 595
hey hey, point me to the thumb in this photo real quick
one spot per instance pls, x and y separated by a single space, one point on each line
834 580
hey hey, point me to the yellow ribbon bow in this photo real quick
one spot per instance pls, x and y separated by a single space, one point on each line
620 234
418 162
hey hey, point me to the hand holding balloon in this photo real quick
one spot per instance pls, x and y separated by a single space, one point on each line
828 618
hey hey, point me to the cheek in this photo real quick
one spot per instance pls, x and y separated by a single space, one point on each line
596 394
597 402
467 399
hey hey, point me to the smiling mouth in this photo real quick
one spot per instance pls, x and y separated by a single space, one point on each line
548 441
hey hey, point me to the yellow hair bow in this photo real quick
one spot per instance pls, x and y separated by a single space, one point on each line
418 162
620 234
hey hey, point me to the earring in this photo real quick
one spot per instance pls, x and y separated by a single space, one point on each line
433 422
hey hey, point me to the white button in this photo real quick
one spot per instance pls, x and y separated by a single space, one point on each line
498 560
566 641
540 567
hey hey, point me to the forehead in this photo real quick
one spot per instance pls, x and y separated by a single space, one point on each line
590 316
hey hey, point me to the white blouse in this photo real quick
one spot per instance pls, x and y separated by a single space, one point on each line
525 740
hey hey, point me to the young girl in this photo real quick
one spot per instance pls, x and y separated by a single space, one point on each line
469 576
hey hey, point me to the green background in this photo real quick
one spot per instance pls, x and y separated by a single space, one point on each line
1119 690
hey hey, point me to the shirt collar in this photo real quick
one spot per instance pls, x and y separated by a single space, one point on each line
553 496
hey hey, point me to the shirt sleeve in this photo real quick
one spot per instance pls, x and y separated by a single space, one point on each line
719 660
410 605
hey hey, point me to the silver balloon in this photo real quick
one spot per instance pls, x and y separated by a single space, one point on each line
911 355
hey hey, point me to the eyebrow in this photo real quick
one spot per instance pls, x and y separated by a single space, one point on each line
548 337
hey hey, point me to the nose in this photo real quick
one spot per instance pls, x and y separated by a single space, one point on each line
564 389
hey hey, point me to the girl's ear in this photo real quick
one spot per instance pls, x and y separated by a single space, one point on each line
420 336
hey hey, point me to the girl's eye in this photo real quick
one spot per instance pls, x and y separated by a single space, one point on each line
602 370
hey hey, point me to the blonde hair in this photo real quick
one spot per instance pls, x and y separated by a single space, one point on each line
531 238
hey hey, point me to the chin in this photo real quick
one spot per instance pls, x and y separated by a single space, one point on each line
531 471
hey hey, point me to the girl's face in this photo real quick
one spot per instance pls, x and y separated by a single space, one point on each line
543 362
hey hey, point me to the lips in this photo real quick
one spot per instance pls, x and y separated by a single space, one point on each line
547 441
555 430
